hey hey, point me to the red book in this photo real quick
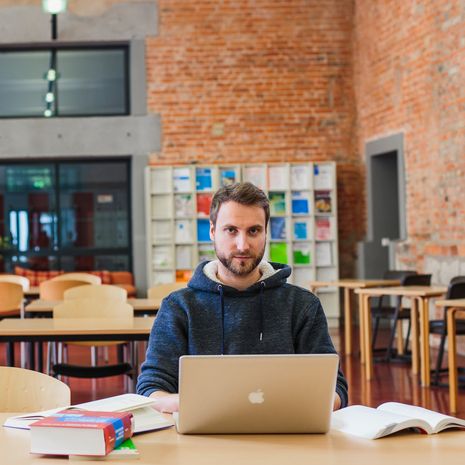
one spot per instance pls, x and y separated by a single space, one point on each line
204 202
80 432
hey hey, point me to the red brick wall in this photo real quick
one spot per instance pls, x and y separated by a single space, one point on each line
409 65
264 80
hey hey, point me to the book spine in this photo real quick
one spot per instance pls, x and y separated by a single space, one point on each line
116 432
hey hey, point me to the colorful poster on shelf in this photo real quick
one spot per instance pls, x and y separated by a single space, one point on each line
278 252
323 229
278 177
203 230
300 177
204 202
322 176
302 254
227 176
300 203
183 205
323 254
203 179
277 203
301 231
183 231
206 252
278 228
181 180
256 175
323 202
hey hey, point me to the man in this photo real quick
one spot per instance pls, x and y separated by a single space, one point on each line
237 304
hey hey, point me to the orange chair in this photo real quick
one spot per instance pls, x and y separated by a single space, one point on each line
54 290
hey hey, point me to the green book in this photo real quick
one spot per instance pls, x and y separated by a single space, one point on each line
302 256
278 252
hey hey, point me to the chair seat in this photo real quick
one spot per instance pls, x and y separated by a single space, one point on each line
82 371
438 327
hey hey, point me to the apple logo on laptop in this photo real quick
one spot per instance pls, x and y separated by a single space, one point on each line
257 397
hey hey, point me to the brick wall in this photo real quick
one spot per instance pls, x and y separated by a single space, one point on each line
264 80
409 66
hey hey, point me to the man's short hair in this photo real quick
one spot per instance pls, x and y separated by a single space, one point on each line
244 193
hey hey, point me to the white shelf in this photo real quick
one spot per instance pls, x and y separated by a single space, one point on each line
303 225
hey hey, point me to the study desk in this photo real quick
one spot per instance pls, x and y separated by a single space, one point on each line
169 448
140 306
72 329
420 295
456 310
349 285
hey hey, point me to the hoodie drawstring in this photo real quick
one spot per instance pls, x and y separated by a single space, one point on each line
220 289
262 289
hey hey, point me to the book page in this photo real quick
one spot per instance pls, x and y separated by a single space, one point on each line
24 421
122 403
436 420
370 423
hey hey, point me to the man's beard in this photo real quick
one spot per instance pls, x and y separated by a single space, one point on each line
237 266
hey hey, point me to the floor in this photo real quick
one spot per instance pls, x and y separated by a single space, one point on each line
392 382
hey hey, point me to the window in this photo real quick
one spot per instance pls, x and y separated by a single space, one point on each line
64 82
70 215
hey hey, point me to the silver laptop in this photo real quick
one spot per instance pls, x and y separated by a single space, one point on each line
256 393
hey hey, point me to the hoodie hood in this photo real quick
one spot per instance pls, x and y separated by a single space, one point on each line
204 278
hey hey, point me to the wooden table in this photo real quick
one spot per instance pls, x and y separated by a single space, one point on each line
169 448
141 306
73 329
420 295
349 285
456 310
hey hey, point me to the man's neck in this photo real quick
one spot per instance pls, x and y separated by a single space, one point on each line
238 282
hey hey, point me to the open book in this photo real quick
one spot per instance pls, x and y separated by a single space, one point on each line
388 418
145 417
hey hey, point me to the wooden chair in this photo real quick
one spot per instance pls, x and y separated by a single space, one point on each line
455 290
93 308
30 391
160 291
13 278
92 291
54 290
11 302
87 277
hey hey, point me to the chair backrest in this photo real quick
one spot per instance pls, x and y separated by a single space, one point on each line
14 278
93 291
160 291
456 288
87 277
30 391
54 290
11 297
398 274
416 280
93 308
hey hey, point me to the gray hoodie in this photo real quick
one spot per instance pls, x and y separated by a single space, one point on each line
208 317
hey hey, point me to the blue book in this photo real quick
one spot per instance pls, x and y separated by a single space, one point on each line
203 178
278 228
203 230
300 203
300 230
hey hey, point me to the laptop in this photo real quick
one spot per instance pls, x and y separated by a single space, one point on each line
256 393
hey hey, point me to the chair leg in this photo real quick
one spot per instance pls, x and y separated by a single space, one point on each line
375 333
407 337
442 345
392 336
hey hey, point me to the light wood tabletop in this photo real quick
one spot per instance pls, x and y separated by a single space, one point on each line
420 295
169 448
456 310
349 285
140 305
48 329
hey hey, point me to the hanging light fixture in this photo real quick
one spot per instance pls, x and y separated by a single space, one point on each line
54 6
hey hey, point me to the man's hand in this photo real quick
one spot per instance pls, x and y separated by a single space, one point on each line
165 402
337 402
